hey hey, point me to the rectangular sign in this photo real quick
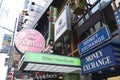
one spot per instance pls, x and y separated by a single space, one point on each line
51 59
62 24
98 59
94 40
6 43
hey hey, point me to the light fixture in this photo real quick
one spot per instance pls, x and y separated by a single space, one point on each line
51 51
25 21
30 15
42 3
26 25
100 72
90 74
60 76
33 3
112 68
39 7
35 11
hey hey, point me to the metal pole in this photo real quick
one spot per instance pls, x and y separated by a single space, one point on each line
6 29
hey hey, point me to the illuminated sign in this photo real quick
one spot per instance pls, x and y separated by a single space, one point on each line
100 58
29 40
46 75
62 24
94 40
51 59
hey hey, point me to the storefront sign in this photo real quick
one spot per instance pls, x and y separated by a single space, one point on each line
29 40
62 24
98 59
51 59
94 40
46 75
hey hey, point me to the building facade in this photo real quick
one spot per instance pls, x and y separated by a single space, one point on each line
78 28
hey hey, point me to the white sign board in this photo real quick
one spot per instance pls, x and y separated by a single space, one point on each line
62 24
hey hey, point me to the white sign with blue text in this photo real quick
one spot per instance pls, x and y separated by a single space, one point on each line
94 40
62 24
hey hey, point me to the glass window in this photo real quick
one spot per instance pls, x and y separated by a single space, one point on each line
81 22
94 9
92 30
97 26
87 16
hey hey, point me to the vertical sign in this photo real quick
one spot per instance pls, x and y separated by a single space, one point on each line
62 24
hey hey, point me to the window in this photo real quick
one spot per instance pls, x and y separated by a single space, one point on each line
98 26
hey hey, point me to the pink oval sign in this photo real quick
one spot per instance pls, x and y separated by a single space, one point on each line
29 40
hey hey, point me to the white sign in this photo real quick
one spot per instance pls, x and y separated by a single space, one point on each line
62 24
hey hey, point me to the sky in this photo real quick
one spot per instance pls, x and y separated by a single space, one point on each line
9 11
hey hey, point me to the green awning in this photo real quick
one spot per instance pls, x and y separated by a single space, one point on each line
33 61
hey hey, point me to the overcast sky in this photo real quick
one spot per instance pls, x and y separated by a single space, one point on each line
10 10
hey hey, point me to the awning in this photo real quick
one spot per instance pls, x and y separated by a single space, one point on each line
32 61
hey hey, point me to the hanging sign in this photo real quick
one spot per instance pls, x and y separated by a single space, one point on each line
29 40
94 40
98 59
62 24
